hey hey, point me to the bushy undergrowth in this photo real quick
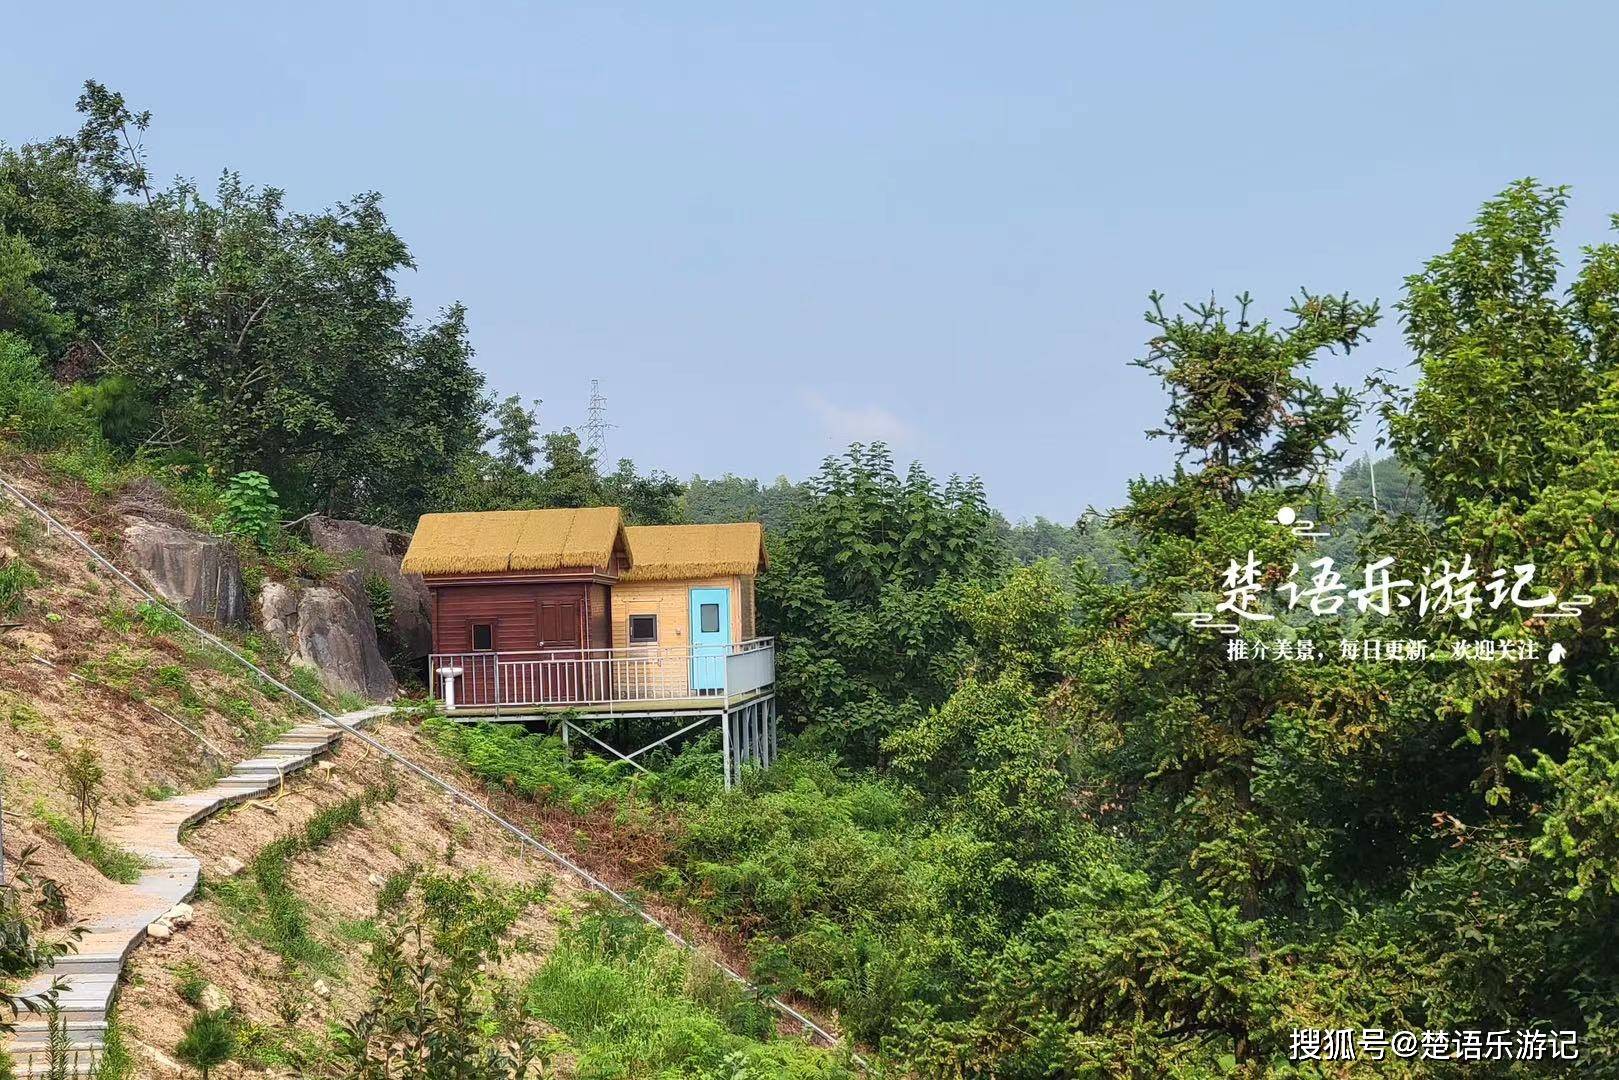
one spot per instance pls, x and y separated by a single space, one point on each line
437 1005
535 767
820 870
632 1005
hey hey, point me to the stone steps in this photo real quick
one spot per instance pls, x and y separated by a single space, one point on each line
116 921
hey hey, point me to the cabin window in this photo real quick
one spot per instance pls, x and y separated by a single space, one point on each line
709 617
483 637
643 629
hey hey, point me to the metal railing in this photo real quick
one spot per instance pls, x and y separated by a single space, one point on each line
590 677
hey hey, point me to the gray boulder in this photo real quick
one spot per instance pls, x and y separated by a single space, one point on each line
322 627
198 573
381 551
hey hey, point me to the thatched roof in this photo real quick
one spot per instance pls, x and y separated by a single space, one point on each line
497 540
680 552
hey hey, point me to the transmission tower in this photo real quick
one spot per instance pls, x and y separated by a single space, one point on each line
596 425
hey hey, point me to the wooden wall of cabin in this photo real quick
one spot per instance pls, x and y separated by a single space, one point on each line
515 610
599 618
670 601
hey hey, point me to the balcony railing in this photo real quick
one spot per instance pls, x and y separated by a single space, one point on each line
644 676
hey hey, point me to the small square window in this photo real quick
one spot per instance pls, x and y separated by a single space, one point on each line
708 616
483 637
643 629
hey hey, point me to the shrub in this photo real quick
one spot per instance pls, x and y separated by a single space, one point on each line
16 578
436 1008
116 406
30 405
157 619
393 891
251 509
21 950
210 1041
381 598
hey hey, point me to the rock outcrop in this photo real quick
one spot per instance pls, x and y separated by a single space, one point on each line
323 627
381 551
198 573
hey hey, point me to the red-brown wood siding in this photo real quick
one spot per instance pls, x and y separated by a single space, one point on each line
525 616
600 618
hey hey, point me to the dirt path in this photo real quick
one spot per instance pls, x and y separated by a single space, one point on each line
119 917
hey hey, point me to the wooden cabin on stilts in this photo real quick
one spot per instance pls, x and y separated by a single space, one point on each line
570 617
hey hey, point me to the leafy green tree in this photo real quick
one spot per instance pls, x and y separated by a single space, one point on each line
516 433
69 199
735 498
26 310
261 338
1093 539
864 592
568 476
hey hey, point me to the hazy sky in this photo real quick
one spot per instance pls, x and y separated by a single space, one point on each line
773 228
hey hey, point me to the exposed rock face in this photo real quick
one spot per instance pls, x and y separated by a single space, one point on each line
322 627
382 551
199 574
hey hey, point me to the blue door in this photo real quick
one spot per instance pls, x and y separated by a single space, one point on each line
710 639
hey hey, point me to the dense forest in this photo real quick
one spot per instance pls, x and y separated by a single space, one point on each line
1032 822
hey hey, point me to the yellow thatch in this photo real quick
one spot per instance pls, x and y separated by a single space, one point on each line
679 552
498 540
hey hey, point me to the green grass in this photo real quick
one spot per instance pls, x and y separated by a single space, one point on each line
306 681
263 901
189 982
632 1005
21 716
113 861
117 1061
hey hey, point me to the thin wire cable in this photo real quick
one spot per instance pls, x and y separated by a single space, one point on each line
444 785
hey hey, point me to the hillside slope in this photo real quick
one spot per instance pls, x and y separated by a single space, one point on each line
300 888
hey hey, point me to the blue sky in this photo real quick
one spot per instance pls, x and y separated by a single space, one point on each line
772 228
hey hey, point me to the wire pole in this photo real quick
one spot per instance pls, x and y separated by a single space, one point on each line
1371 467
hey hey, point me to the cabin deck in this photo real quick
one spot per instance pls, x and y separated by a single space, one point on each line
732 684
653 680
